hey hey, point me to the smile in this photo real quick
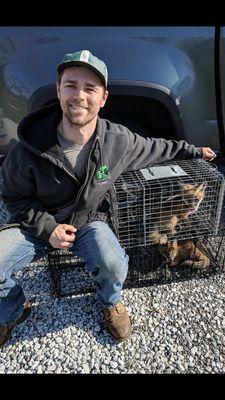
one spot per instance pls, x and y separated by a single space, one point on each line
78 108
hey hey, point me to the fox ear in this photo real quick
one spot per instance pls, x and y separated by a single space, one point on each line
181 185
203 185
184 186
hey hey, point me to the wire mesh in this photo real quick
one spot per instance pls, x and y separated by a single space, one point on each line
68 274
148 265
179 200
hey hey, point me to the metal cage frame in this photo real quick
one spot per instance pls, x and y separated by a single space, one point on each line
148 199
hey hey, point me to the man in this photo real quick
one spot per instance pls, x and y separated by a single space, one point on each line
54 185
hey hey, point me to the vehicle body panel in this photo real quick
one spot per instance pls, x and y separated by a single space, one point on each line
222 73
171 65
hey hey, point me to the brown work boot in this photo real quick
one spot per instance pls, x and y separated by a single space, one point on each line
118 321
5 331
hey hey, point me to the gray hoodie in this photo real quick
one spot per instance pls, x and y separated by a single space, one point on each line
38 180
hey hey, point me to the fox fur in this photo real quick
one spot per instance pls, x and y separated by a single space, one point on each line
175 209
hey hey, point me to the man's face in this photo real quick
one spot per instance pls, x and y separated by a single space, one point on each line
81 95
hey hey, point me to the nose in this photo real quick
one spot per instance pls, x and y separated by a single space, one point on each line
79 94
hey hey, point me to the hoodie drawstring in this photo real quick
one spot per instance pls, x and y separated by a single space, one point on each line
54 175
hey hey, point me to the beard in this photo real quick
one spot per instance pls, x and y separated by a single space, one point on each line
79 120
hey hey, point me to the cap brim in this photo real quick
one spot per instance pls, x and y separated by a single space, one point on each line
68 64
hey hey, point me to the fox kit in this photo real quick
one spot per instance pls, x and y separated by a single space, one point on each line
175 209
186 254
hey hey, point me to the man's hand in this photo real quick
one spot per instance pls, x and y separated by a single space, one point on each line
208 154
63 236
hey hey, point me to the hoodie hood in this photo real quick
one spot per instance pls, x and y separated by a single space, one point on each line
37 131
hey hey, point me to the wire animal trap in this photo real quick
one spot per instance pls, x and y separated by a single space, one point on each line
69 277
68 274
168 219
177 200
148 265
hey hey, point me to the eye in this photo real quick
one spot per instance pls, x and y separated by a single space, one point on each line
91 90
69 85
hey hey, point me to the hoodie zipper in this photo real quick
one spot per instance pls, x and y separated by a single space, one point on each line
60 165
72 176
84 184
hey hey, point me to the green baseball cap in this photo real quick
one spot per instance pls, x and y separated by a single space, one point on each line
87 59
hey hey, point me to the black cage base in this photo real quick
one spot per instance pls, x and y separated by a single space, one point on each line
148 265
68 274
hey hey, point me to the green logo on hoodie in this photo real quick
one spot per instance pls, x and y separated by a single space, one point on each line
102 173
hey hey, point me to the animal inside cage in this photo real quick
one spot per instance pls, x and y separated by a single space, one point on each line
175 200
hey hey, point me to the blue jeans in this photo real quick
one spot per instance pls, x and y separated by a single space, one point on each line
95 243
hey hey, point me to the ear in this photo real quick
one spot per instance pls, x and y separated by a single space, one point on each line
58 90
185 186
104 98
203 185
181 185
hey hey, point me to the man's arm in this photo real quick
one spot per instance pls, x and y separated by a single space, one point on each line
151 151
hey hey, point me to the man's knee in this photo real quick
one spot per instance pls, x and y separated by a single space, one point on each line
115 266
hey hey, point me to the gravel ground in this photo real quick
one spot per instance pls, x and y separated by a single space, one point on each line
178 328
